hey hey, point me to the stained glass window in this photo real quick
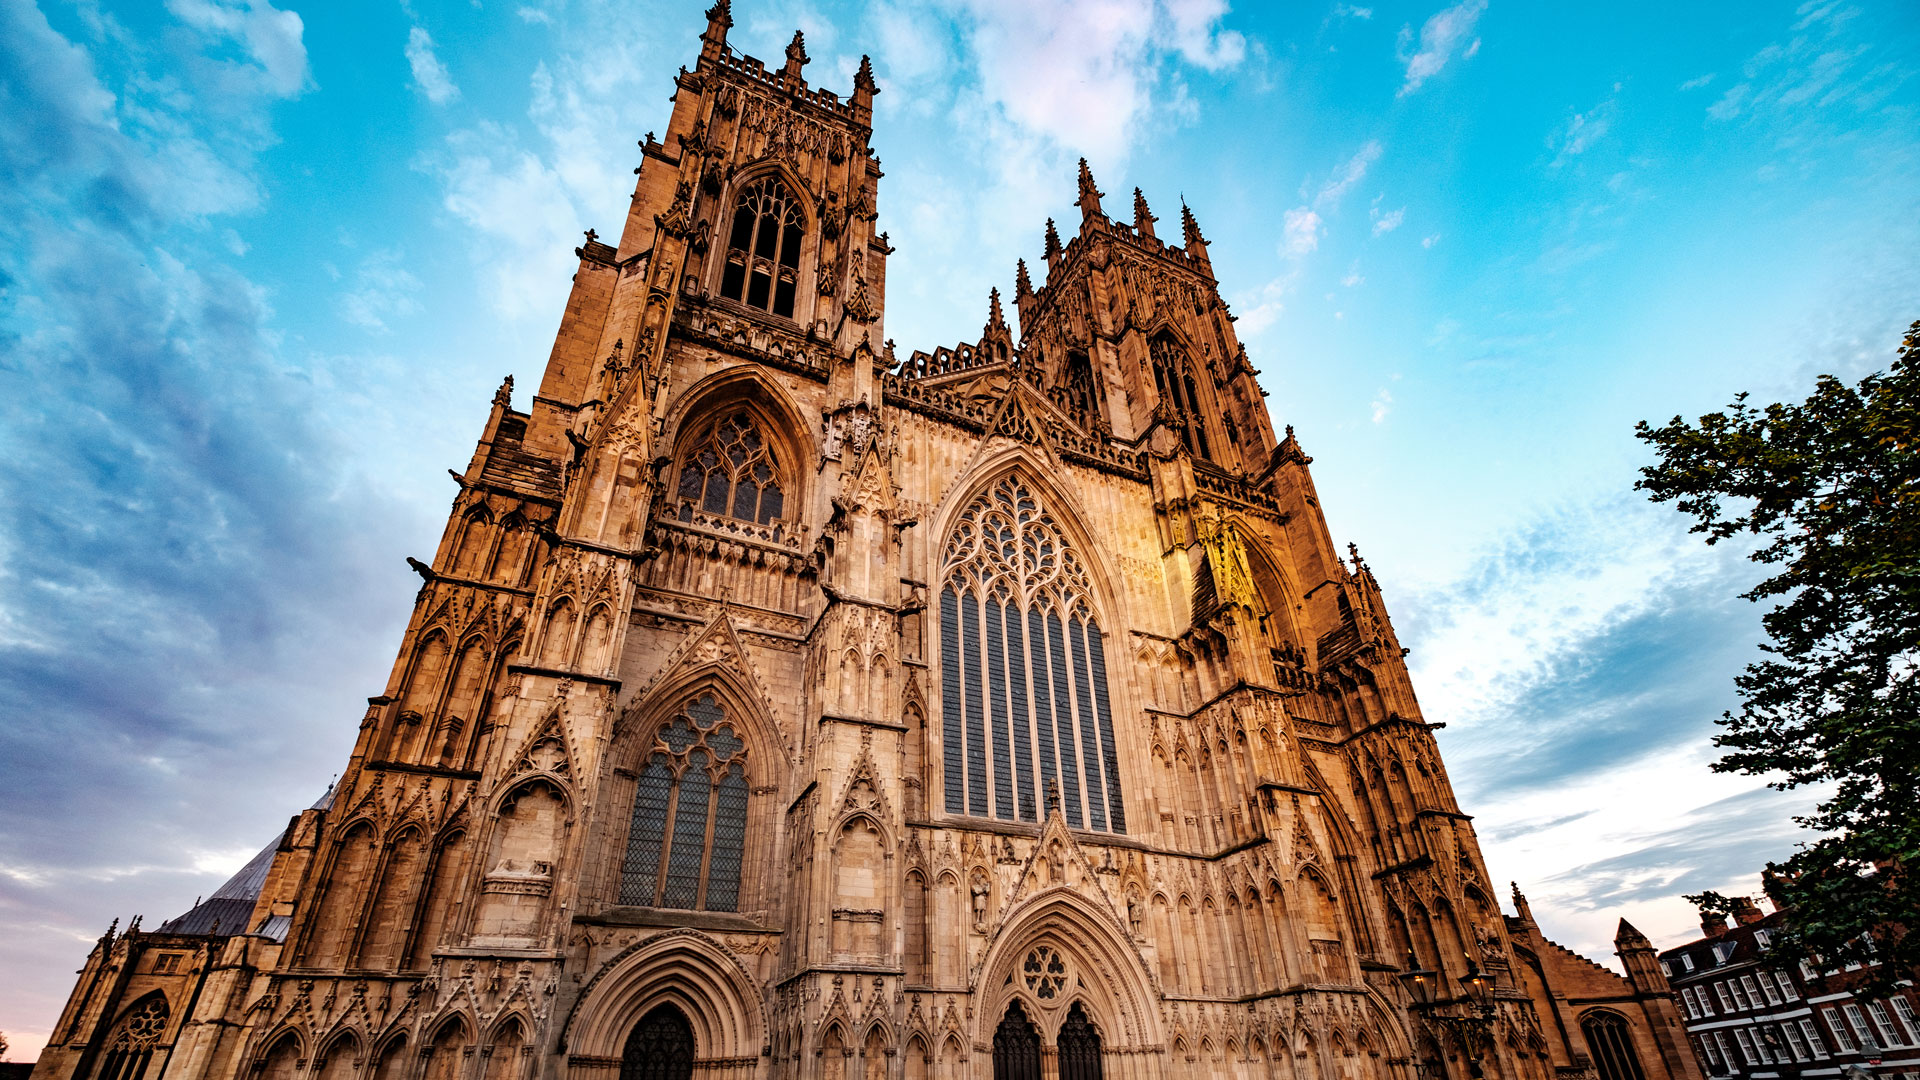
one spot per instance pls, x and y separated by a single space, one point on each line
763 249
1025 712
730 472
689 823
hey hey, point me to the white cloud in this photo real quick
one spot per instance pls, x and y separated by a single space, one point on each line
1350 173
1302 233
1697 82
1353 276
273 38
519 202
1382 404
1387 222
1429 241
383 289
1581 132
429 74
1443 35
534 15
1348 11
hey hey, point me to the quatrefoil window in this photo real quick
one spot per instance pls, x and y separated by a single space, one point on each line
1045 972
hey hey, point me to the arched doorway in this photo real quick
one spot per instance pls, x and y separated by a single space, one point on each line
1016 1046
660 1048
1079 1047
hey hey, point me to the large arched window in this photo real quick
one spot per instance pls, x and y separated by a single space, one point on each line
763 248
132 1046
1024 704
729 471
689 814
1173 377
1610 1041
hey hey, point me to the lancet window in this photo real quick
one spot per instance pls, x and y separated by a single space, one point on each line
1173 377
689 824
731 472
1025 714
763 248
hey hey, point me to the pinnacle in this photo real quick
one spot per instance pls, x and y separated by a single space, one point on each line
995 317
1053 240
1089 200
1022 283
1143 218
1628 935
1189 227
797 51
863 79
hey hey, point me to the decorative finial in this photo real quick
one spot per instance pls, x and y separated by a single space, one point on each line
1022 284
592 236
1189 228
503 397
1089 200
995 317
1143 218
1053 242
863 79
797 52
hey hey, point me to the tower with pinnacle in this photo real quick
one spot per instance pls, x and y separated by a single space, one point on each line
779 706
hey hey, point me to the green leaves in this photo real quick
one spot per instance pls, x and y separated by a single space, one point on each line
1831 489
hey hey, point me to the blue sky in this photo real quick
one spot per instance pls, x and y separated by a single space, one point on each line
262 266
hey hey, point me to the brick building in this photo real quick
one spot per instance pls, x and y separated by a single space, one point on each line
1749 1019
777 705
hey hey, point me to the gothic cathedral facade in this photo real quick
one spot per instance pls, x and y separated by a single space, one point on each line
779 707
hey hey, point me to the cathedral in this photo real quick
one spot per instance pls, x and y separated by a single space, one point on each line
777 705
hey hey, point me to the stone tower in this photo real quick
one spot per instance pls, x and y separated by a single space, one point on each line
777 707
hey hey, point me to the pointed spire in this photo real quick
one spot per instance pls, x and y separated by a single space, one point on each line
1022 284
1089 200
1189 228
503 397
1053 244
995 316
1629 937
1143 218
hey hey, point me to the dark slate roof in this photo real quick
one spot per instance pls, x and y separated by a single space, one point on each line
226 912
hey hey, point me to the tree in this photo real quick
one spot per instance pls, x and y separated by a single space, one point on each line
1830 490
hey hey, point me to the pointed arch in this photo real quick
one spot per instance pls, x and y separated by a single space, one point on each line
332 930
1026 699
1118 992
389 1058
448 1050
682 968
788 435
394 899
283 1056
139 1030
339 1057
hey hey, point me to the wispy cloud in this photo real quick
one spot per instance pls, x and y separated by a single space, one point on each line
1384 223
1697 82
1347 175
430 76
1447 33
1582 130
383 288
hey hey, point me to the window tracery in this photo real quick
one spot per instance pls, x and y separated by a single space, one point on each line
689 822
1173 377
731 472
762 266
132 1046
1026 716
